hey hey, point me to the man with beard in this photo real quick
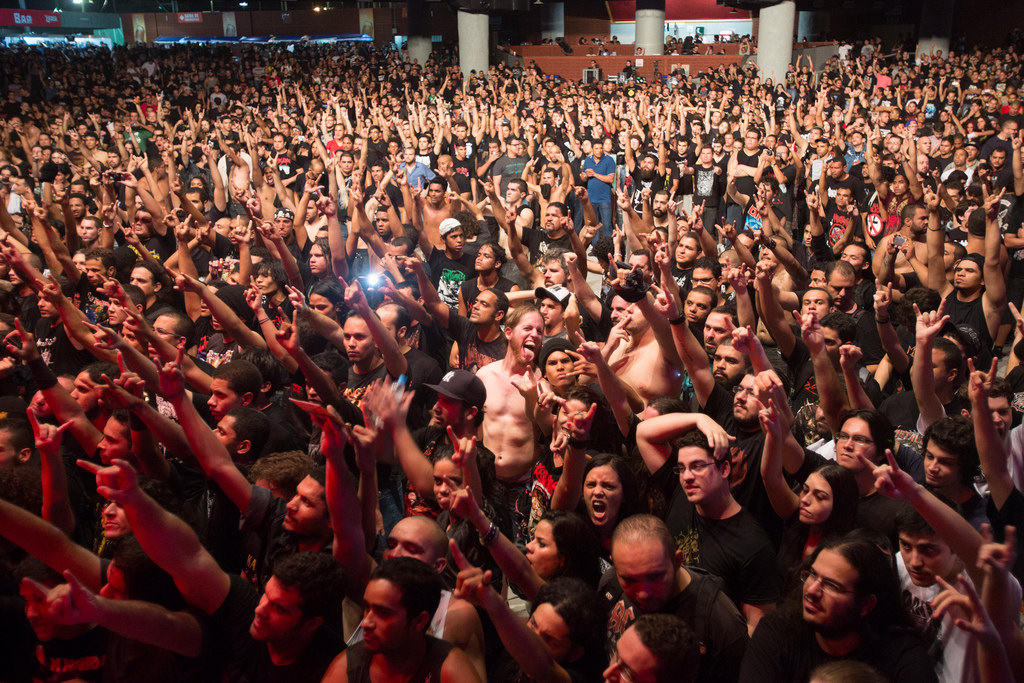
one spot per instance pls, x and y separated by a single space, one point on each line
659 209
648 174
893 251
850 609
478 338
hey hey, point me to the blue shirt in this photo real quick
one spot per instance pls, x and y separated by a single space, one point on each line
417 174
599 190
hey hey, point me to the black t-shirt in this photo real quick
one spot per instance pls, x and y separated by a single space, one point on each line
785 648
656 183
471 288
703 606
474 353
736 549
447 275
422 370
707 186
82 658
745 454
56 349
538 243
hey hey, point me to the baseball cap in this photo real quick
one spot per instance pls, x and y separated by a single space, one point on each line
284 213
447 225
557 293
462 385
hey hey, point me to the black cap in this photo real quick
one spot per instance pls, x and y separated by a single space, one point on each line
462 385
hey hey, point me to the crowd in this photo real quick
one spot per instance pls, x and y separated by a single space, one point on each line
321 364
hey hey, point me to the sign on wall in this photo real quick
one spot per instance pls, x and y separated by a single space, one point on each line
28 17
230 26
190 17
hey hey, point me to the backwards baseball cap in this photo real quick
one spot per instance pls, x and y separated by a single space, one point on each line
557 293
978 259
447 225
462 385
284 213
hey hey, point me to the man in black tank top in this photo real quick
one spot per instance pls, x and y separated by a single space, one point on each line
398 604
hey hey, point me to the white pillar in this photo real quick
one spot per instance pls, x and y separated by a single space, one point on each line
775 40
650 30
419 48
474 30
935 27
552 20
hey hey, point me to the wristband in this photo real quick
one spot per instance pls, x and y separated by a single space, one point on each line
579 443
42 374
263 320
488 538
881 322
679 320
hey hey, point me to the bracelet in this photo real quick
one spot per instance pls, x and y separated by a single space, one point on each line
881 322
263 320
679 320
488 538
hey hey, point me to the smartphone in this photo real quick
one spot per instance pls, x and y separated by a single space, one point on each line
898 240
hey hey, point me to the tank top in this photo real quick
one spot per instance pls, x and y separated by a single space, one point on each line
358 662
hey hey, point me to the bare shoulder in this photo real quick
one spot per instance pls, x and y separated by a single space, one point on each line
337 672
458 669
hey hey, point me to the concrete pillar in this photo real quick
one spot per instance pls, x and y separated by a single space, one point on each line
936 27
418 21
650 26
775 40
811 25
552 20
474 30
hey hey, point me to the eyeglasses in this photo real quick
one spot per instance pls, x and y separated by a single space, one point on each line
856 438
737 390
625 673
698 468
827 585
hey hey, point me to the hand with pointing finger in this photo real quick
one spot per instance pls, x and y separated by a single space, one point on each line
117 482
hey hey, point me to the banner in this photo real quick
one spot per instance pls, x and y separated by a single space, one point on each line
366 22
190 17
29 17
230 26
139 27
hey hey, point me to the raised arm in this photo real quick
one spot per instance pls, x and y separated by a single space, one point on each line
166 539
929 325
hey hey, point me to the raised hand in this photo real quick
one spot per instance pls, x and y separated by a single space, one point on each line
890 480
813 336
116 482
48 437
849 354
172 380
930 323
473 584
21 344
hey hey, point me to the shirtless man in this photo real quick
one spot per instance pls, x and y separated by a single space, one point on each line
645 357
507 429
428 211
